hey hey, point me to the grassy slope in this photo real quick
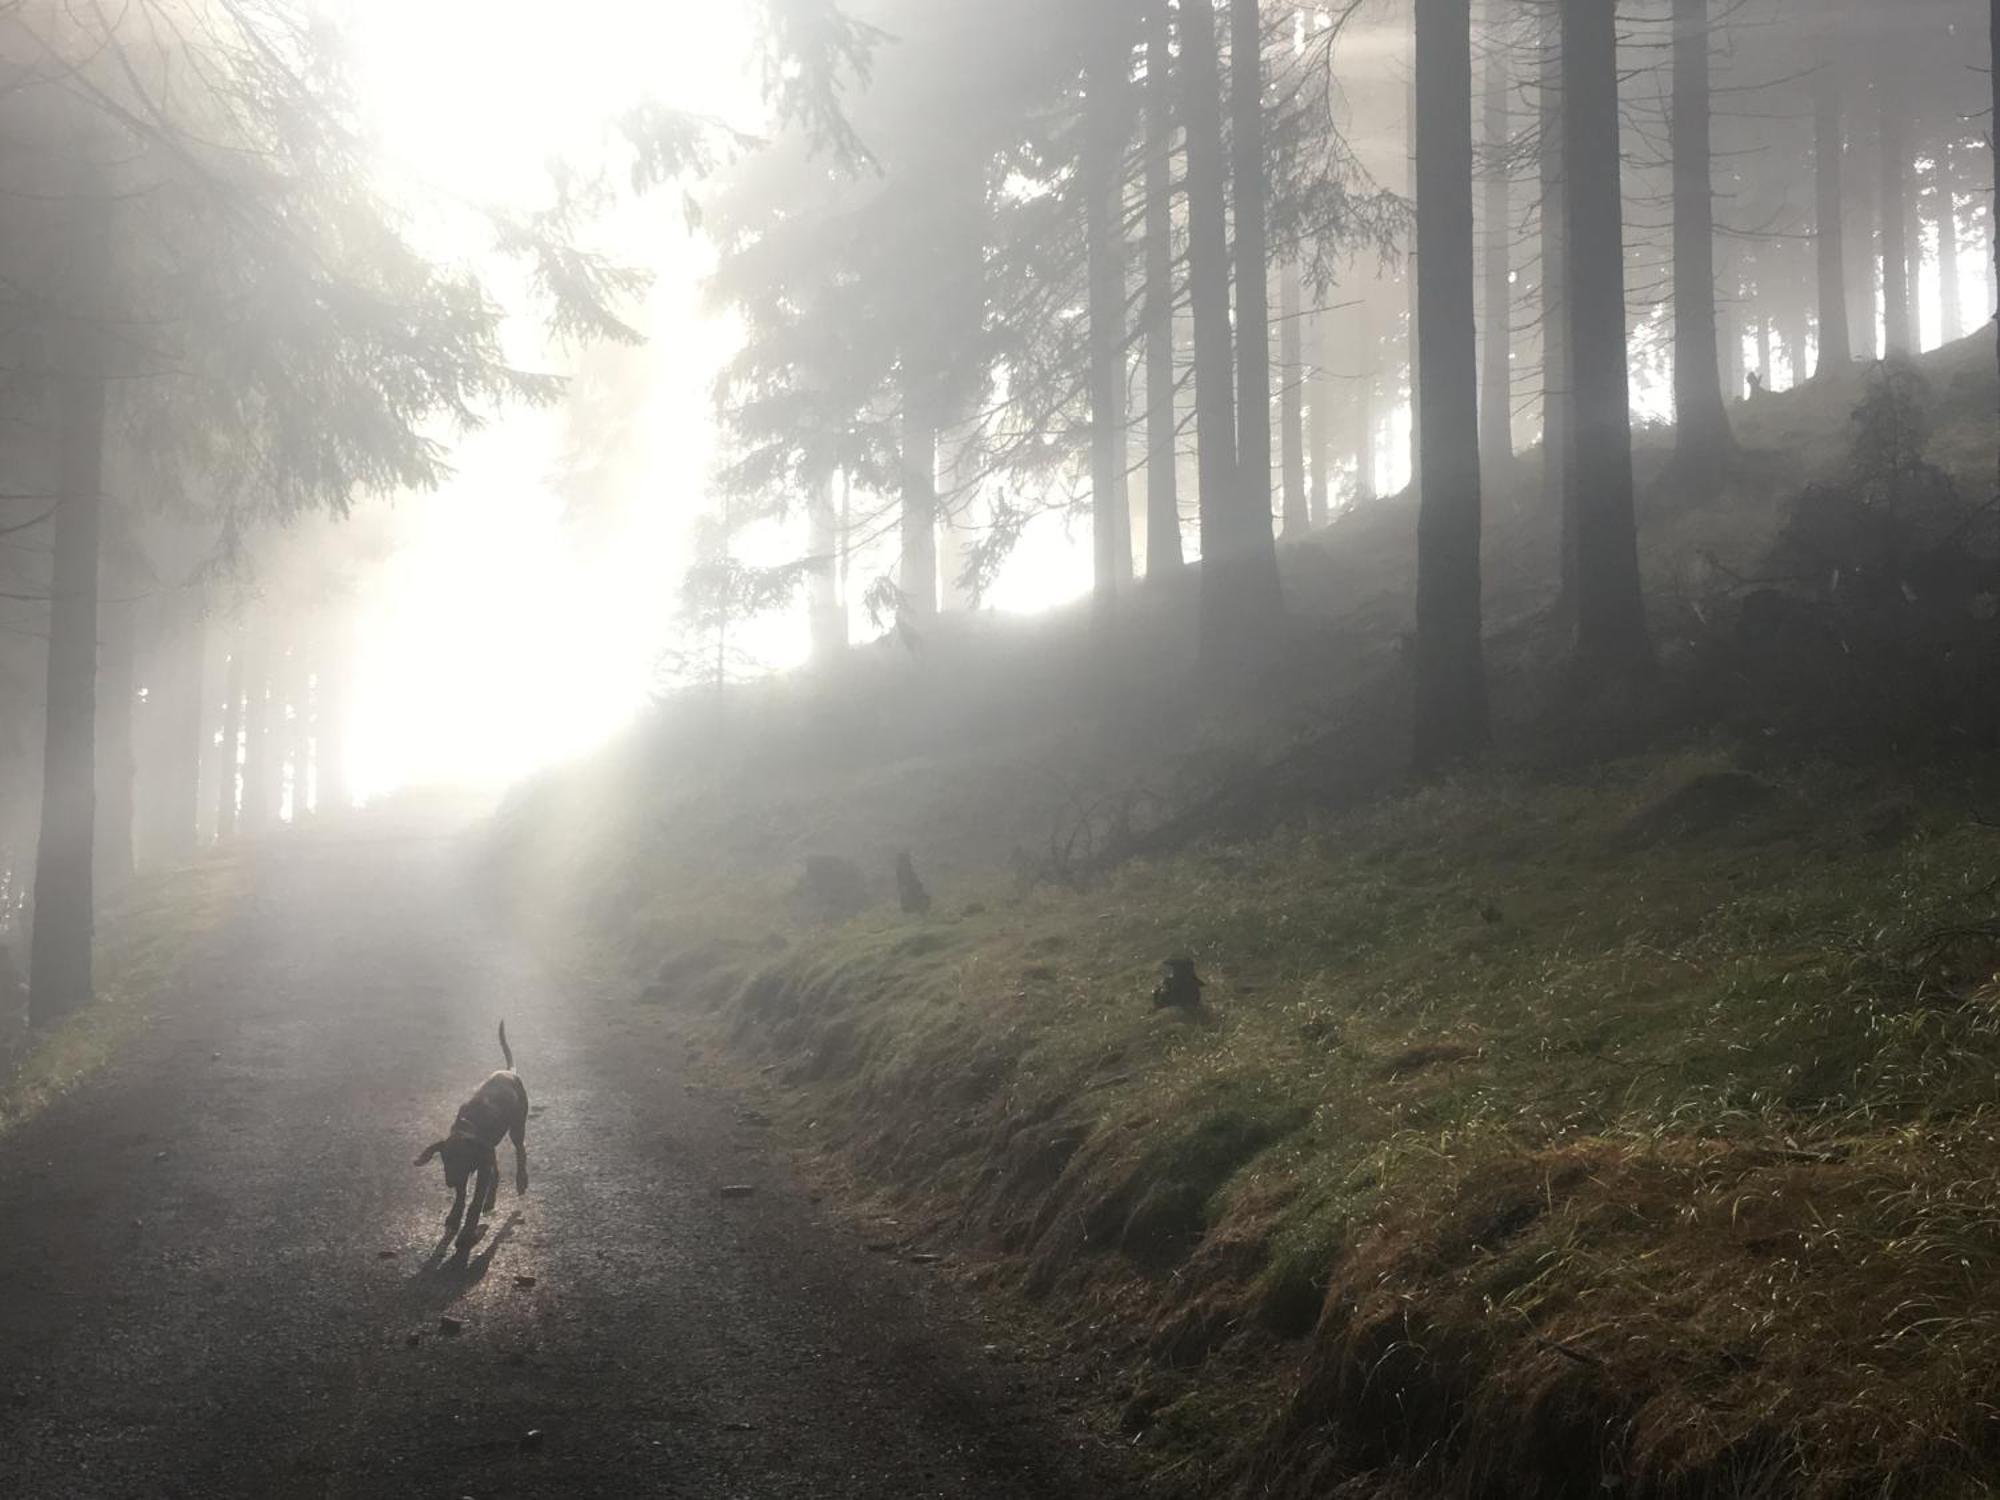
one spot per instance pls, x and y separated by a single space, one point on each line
1529 1136
143 940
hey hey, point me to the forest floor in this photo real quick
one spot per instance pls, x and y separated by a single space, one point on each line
221 1276
1615 1116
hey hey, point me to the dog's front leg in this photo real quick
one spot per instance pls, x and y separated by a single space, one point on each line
482 1189
451 1220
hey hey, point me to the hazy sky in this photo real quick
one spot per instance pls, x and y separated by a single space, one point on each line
498 637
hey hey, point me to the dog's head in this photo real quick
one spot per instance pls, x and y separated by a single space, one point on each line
461 1156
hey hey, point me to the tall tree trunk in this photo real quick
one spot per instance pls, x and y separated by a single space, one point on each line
229 788
1103 154
1702 438
169 784
1413 280
1253 317
1899 333
260 746
1163 500
333 793
1951 311
826 613
1558 421
1496 393
1451 705
1610 609
1836 345
1292 400
117 763
59 978
1208 295
1864 295
1993 199
295 726
1319 422
917 579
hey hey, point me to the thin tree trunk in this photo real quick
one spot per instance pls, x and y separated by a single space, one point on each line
1993 199
1413 283
1451 704
917 580
297 733
1702 437
1292 401
59 978
1164 555
117 764
1208 295
826 618
1253 317
229 790
1496 393
260 771
1951 311
1899 334
1558 424
333 793
1863 266
1319 423
1103 151
1836 345
1610 609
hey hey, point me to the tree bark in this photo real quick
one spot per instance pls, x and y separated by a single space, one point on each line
1451 704
1292 400
229 789
1702 438
1208 295
1836 345
1558 424
1248 196
1103 152
1610 608
1496 394
59 977
1164 555
1951 311
1864 290
1899 334
1320 405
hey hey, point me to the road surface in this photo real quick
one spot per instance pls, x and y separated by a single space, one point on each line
220 1275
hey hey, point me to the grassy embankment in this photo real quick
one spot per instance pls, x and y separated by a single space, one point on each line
143 940
1544 1131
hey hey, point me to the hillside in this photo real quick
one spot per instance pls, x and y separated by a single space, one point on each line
1617 1114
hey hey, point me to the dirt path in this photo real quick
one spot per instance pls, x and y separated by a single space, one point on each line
195 1298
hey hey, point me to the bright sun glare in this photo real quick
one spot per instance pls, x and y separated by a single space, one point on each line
498 637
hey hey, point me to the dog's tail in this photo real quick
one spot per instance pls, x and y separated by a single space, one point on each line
506 1051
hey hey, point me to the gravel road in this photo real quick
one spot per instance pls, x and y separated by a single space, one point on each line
220 1274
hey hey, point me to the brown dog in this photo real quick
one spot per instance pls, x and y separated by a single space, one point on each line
499 1108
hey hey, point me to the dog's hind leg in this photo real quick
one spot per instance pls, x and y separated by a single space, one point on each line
489 1178
519 1135
451 1220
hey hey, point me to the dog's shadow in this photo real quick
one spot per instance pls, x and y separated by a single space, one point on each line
448 1272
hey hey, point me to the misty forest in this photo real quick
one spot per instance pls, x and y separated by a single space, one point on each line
912 748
